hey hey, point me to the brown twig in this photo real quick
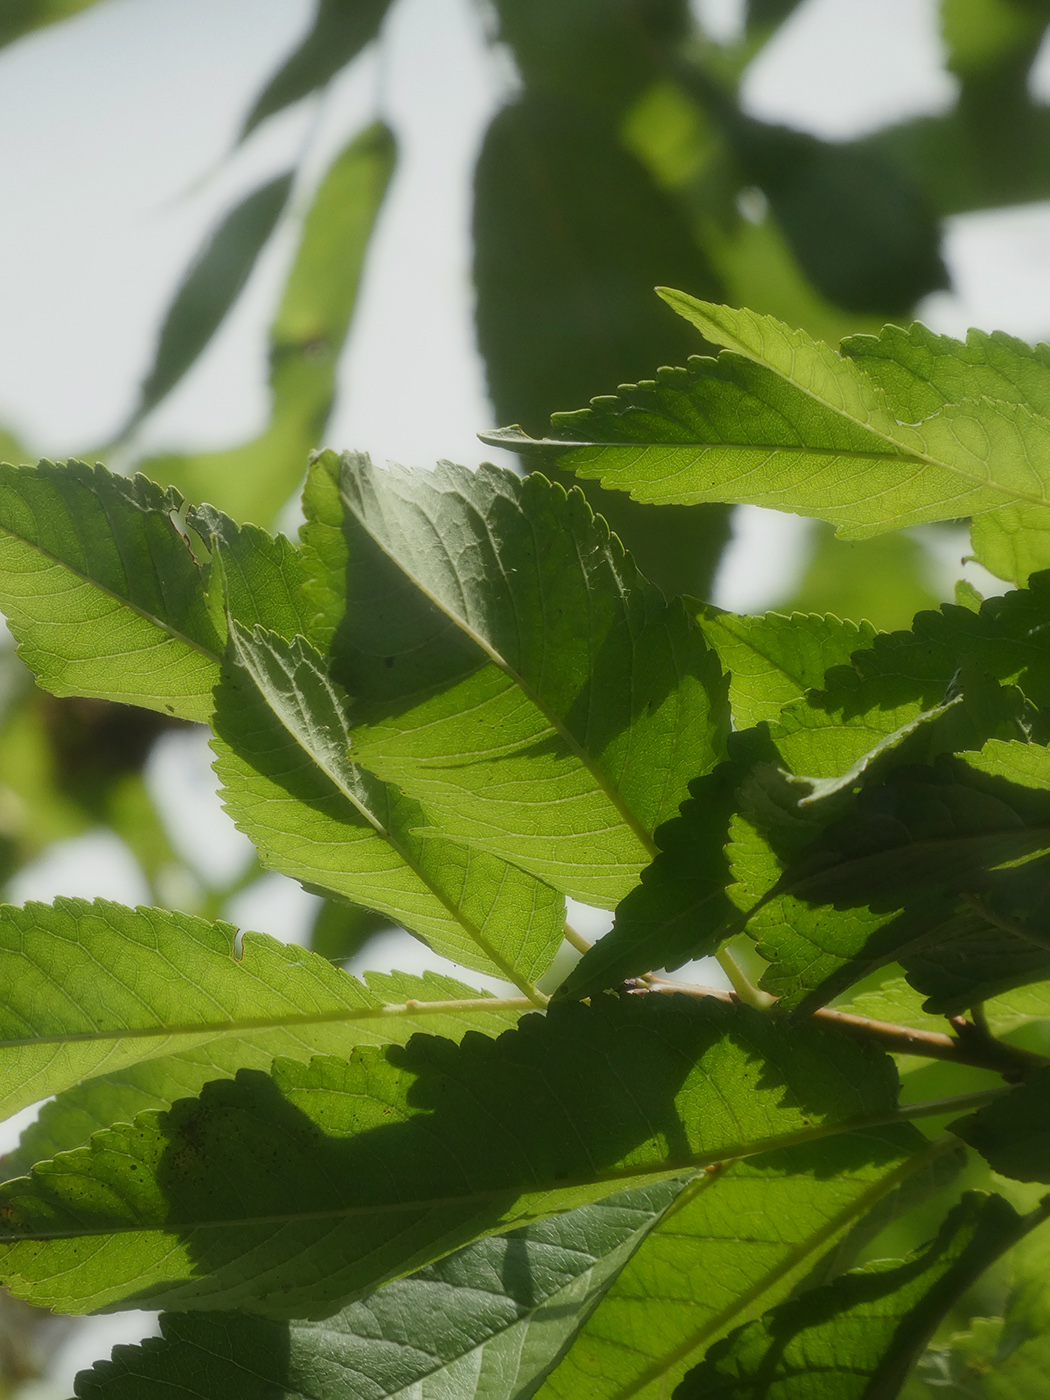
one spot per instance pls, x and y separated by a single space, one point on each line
969 1046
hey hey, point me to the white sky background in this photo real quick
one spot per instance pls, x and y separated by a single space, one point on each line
115 134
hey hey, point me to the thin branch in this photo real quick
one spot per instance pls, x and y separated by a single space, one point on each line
968 1048
575 940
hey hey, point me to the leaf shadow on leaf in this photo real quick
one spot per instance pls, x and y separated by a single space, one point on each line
372 1167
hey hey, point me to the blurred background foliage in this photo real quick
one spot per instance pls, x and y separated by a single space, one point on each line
622 159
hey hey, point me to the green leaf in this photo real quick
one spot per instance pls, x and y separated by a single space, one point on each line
680 909
295 1193
911 874
340 30
289 783
738 1241
859 225
570 234
101 590
253 481
94 988
861 1335
1013 1133
782 420
920 372
512 671
489 1320
22 16
209 287
772 659
396 1006
262 576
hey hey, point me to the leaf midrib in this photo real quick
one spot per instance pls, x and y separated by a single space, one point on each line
175 633
524 1191
536 997
627 816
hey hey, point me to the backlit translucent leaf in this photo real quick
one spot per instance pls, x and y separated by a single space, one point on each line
253 481
773 659
784 421
442 1006
101 590
489 1320
289 783
94 987
295 1193
732 1245
860 1335
516 675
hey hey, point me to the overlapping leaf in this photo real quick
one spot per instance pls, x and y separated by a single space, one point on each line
289 782
784 421
102 592
512 671
93 988
729 1248
396 1006
860 1335
104 595
773 659
912 875
294 1193
489 1320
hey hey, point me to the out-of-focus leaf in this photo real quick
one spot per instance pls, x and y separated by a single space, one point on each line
341 929
252 482
19 17
340 30
985 34
860 1335
593 51
210 286
881 581
859 226
570 235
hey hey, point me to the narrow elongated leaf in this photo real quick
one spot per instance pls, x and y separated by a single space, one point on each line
489 1320
860 1335
289 783
784 421
295 1193
209 288
398 1004
94 987
541 699
340 30
253 481
102 592
731 1246
773 659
